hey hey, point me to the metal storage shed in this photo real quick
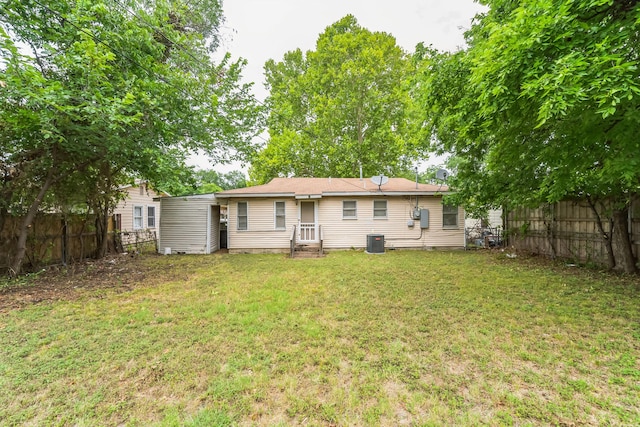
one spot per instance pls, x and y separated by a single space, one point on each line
189 224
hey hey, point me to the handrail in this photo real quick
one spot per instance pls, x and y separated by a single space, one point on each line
292 241
321 231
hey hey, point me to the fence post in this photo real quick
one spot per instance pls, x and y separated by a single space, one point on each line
65 241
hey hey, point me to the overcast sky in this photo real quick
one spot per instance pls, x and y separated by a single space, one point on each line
258 30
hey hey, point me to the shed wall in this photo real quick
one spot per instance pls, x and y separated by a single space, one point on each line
185 224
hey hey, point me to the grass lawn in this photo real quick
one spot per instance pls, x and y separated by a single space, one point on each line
404 338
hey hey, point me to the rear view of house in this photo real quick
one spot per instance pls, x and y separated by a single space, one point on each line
340 213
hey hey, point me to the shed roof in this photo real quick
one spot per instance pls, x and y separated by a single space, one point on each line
321 187
209 196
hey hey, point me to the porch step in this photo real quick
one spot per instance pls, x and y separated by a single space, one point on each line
307 251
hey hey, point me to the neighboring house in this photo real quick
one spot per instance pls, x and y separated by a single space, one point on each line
494 220
485 232
343 212
190 224
138 211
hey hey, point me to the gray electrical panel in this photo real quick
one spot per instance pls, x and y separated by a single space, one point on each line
424 218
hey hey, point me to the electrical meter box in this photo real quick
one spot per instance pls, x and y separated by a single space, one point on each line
424 218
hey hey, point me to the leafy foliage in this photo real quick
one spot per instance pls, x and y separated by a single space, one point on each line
543 105
337 108
207 181
93 92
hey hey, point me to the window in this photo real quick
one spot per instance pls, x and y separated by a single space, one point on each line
243 210
151 216
379 209
349 209
449 216
137 217
280 216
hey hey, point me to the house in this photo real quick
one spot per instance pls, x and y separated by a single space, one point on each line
138 213
190 224
340 213
483 232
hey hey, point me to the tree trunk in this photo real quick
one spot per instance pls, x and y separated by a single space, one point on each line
3 217
4 210
627 259
102 231
21 247
606 237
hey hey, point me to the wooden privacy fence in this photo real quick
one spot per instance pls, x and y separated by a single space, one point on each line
566 229
53 239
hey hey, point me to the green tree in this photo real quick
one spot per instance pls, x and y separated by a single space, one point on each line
118 88
338 108
543 106
226 181
210 181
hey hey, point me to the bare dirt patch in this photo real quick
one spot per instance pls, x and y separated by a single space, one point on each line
120 272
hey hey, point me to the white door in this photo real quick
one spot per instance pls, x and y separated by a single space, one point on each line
307 224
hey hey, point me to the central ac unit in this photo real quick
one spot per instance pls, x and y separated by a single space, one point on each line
375 243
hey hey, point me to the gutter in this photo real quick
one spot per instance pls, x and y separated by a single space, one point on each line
246 195
384 193
331 194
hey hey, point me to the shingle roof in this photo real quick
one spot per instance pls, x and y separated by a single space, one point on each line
334 187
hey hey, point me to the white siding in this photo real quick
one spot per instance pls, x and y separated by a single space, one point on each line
186 223
261 230
134 198
494 217
346 233
341 233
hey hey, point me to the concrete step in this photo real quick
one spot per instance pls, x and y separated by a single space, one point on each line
307 251
307 248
